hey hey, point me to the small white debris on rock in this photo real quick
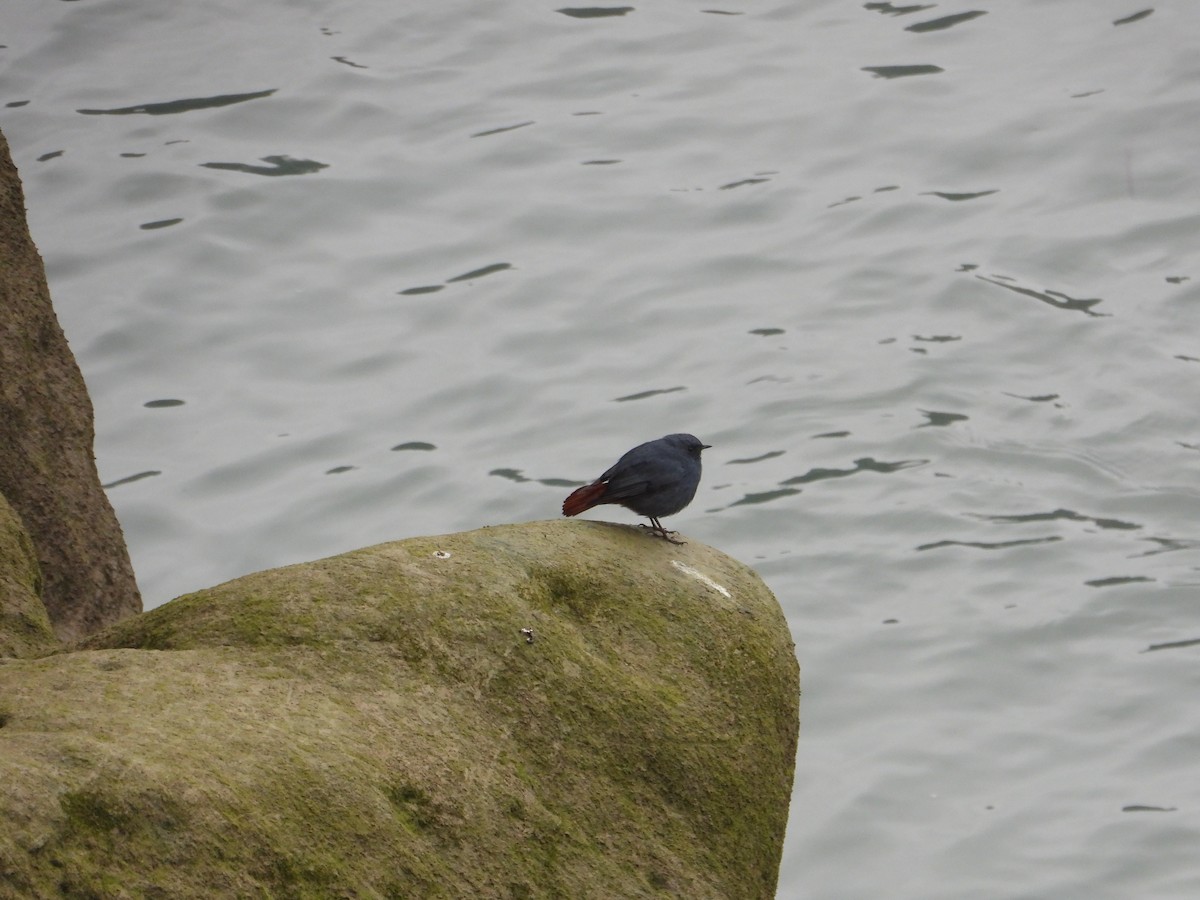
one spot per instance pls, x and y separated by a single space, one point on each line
701 577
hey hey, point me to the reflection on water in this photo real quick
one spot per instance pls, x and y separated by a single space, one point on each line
989 545
903 71
939 419
946 21
279 165
501 130
519 477
1134 17
1057 299
1173 645
1067 514
595 12
644 395
480 272
1117 580
763 497
946 195
160 223
130 479
765 456
866 464
173 107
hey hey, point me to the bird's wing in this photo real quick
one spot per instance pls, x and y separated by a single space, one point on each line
634 479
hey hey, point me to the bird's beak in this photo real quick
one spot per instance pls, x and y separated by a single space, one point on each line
706 446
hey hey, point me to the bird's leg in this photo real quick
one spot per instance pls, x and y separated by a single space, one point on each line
656 528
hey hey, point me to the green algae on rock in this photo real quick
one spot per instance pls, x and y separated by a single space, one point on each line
552 709
24 626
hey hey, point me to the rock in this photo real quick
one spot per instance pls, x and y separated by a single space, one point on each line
552 709
24 626
47 471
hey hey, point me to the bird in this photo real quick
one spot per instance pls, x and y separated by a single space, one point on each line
654 479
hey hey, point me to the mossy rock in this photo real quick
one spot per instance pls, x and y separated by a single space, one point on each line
553 709
24 625
47 467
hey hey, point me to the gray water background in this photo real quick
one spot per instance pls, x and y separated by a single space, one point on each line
338 274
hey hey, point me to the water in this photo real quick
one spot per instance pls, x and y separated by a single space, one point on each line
931 292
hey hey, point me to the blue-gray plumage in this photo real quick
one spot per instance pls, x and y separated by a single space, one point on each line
654 479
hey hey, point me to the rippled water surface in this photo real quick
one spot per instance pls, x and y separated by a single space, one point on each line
926 276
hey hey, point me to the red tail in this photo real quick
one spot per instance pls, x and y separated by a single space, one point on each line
584 498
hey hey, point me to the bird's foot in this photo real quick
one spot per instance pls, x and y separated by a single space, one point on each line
659 531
